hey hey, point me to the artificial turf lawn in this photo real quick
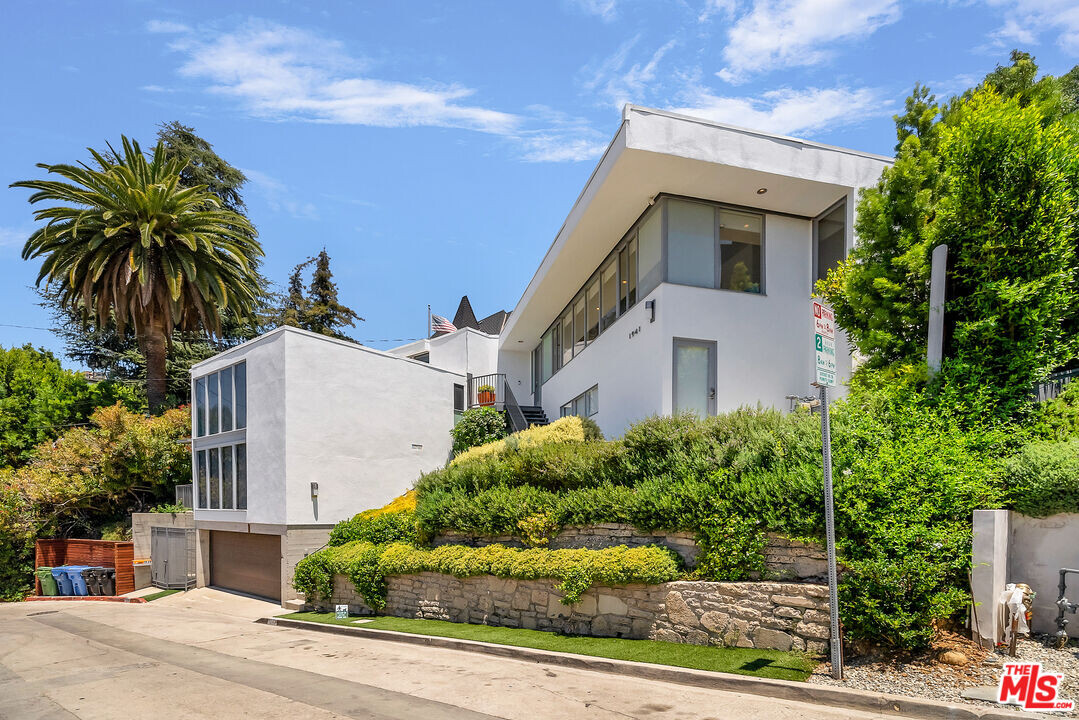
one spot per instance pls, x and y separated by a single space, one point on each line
159 595
744 661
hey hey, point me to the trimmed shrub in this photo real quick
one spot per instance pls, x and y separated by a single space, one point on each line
393 522
563 430
1043 479
368 565
477 426
1058 419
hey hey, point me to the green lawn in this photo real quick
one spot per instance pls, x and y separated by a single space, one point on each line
158 595
744 661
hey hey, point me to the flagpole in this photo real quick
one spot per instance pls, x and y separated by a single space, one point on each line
428 321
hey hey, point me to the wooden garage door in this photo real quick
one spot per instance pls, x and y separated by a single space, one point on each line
246 562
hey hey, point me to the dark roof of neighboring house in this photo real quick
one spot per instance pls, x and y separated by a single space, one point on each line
466 318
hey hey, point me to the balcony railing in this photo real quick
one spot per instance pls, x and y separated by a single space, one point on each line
1054 385
494 392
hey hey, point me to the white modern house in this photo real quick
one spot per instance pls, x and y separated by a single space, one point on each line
681 280
682 277
293 432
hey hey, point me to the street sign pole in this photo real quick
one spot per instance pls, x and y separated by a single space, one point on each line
824 347
829 522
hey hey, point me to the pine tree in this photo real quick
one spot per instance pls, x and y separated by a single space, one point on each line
324 314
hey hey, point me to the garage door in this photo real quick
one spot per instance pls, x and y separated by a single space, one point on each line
246 562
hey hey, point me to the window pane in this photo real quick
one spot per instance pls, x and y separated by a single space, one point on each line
241 476
627 270
212 403
201 475
649 252
240 374
215 479
691 378
226 399
578 326
593 401
609 293
548 350
226 477
200 407
691 243
567 337
566 410
593 310
459 397
740 248
831 240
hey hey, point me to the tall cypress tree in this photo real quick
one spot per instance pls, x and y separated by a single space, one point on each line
324 314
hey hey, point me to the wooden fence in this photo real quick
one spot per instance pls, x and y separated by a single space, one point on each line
97 553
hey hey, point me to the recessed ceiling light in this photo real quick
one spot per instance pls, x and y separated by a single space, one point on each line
761 191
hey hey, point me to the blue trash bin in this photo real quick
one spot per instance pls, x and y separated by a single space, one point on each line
78 582
63 580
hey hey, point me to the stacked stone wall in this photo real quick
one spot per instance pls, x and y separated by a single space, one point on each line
782 616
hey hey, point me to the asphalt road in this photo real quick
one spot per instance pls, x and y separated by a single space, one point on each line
200 655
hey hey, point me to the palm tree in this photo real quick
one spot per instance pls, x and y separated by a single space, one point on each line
130 243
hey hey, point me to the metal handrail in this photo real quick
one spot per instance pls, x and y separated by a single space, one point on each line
513 410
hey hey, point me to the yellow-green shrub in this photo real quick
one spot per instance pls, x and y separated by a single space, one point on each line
564 430
368 565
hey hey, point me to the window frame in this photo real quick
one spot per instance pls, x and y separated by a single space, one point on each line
591 399
206 445
815 269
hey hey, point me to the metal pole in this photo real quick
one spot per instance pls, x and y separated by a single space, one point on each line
829 522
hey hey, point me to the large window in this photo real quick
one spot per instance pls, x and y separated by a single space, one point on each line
220 403
584 405
830 235
677 240
221 477
740 251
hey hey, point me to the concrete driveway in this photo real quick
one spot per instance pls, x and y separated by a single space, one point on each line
199 655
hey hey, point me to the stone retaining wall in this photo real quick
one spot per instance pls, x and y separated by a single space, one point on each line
784 559
782 616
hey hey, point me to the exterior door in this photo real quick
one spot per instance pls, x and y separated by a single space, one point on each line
537 368
246 562
694 388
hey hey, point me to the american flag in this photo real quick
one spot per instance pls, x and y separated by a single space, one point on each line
441 324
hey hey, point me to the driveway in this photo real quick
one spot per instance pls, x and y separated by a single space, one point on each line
200 655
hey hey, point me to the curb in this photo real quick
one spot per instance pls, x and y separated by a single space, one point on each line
777 689
83 598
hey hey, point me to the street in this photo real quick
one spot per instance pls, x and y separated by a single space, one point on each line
199 655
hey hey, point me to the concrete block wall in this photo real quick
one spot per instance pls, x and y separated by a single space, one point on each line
142 522
781 616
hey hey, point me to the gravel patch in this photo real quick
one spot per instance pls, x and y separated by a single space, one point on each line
927 678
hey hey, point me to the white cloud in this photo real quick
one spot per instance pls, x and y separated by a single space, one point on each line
620 84
607 10
562 138
786 111
166 27
714 8
777 34
279 197
14 237
281 73
1025 19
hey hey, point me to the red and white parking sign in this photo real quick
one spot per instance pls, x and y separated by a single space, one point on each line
1025 685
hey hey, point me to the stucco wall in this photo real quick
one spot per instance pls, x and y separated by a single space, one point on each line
362 424
1012 548
462 352
265 359
763 615
764 343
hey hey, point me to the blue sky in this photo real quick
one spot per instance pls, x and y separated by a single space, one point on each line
435 148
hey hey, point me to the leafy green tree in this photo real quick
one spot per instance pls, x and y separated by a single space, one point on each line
881 293
319 310
134 247
203 165
39 400
1009 214
90 477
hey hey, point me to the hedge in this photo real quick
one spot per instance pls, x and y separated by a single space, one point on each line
1043 478
368 565
563 430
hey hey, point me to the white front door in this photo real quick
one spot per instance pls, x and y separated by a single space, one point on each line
694 377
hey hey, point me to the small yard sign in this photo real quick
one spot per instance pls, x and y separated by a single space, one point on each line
824 344
341 612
